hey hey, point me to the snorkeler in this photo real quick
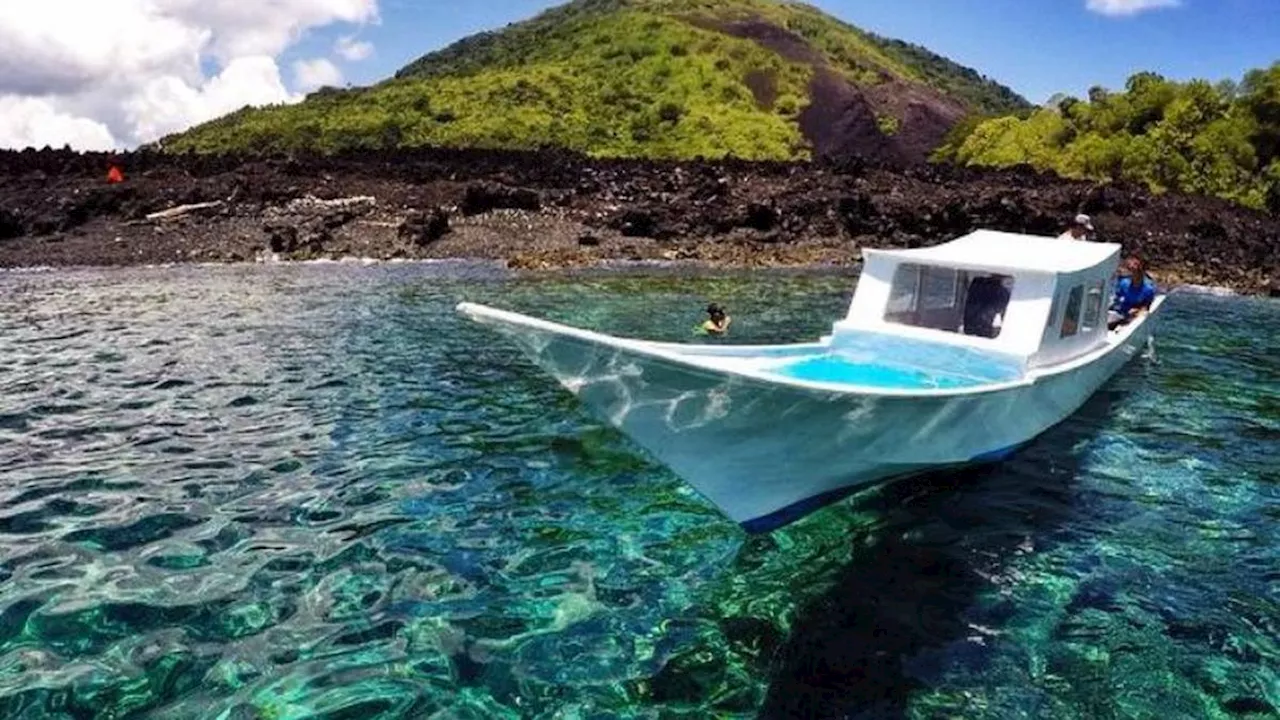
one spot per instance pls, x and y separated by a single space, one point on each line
717 321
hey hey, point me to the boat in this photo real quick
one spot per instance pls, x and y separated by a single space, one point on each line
951 355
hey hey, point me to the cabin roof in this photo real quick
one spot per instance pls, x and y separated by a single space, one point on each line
994 250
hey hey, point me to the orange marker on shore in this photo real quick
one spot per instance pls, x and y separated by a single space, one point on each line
114 175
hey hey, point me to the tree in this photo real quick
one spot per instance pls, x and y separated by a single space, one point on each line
1148 96
1260 94
1218 139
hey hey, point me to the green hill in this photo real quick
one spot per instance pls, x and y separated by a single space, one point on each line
756 79
1198 137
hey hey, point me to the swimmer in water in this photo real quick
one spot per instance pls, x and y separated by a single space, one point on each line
717 321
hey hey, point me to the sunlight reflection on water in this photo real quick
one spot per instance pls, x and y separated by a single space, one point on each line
304 490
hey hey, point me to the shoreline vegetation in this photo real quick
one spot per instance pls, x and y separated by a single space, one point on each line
1218 139
556 209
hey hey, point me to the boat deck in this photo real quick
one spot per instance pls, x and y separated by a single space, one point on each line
834 368
880 362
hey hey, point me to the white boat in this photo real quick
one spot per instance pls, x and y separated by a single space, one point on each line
950 355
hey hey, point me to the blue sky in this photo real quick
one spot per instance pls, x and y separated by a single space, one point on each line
1037 47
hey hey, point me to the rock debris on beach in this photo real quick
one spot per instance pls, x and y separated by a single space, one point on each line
554 209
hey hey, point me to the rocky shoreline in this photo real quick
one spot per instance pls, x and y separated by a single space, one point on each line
553 209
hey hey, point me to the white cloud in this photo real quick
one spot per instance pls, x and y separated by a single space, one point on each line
316 73
166 104
103 72
265 27
351 49
32 122
1121 8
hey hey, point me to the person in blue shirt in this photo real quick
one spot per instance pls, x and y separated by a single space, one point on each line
1135 291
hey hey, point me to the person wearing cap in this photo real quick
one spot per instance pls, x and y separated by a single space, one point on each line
1081 229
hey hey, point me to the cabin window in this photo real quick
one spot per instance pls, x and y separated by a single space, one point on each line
959 301
1051 325
1071 315
1093 308
938 288
902 296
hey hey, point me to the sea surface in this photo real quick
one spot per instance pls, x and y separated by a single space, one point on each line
311 491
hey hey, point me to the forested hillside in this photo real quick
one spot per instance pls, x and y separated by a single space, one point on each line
1213 139
755 79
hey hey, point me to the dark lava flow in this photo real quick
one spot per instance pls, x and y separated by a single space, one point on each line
552 208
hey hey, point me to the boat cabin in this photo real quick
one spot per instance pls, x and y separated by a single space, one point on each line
1033 300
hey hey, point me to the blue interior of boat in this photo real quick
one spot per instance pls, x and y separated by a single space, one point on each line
837 369
885 361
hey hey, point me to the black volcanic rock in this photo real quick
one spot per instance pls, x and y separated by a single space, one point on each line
424 228
1272 286
482 197
762 217
384 204
10 224
638 222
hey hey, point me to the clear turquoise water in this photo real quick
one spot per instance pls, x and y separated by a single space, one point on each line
834 368
311 491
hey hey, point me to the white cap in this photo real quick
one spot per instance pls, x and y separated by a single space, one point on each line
1085 220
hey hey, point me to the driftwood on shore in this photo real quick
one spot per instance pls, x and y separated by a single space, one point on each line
182 210
308 203
312 203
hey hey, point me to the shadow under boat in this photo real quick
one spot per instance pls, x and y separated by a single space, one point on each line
856 650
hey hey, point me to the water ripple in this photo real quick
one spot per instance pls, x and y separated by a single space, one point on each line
311 491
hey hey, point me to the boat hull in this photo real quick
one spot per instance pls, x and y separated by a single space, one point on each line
768 453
